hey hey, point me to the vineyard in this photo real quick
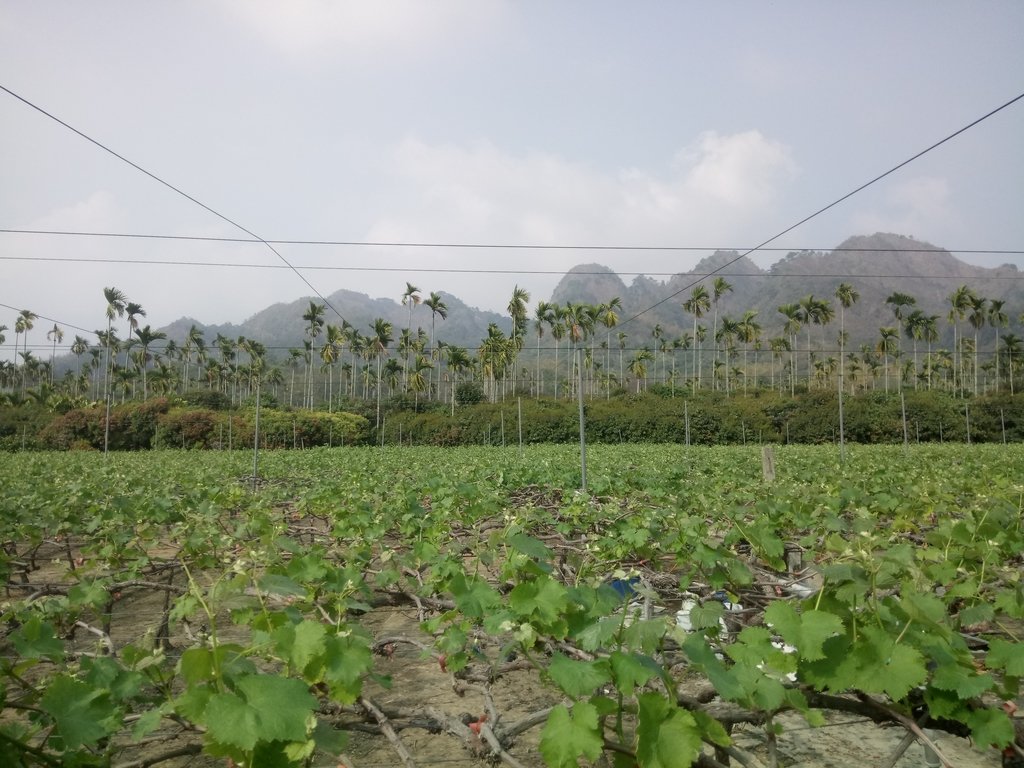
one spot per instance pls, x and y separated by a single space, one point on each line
409 606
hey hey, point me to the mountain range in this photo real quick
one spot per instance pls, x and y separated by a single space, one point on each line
876 266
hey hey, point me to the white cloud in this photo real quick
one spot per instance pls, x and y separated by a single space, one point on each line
722 190
740 170
317 27
920 206
97 212
720 185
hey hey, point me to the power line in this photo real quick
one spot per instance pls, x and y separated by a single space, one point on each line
173 188
497 246
469 271
833 204
50 319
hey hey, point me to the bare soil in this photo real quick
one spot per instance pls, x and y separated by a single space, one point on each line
430 708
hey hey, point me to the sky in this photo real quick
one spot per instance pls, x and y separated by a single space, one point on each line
571 123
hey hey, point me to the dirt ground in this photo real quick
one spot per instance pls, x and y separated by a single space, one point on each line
419 684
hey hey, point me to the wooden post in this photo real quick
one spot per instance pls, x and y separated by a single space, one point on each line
768 463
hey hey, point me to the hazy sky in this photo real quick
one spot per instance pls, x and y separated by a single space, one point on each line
714 124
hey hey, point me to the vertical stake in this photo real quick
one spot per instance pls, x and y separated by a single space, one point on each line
520 419
256 440
583 435
903 409
686 420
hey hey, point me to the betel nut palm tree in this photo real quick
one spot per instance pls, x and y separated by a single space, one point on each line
146 337
518 312
437 308
410 297
116 301
697 305
380 338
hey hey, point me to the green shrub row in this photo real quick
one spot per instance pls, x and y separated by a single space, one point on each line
161 423
715 419
656 416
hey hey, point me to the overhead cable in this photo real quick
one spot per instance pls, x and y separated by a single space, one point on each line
173 188
499 246
468 271
831 205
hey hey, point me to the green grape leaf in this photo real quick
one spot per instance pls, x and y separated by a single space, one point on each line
36 639
530 547
711 729
232 722
964 682
707 615
147 723
578 678
644 636
283 706
348 659
196 665
192 703
721 677
329 739
597 634
278 584
1005 655
1011 601
975 614
88 594
474 597
667 736
807 631
310 643
990 727
83 714
543 600
569 734
877 664
632 669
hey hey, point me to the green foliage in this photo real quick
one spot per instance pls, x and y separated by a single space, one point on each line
188 428
132 426
469 393
915 549
659 416
208 399
717 419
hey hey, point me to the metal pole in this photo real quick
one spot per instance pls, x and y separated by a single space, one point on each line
686 420
583 435
842 430
256 440
520 408
903 409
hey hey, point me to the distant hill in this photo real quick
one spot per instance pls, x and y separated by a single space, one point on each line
280 326
876 266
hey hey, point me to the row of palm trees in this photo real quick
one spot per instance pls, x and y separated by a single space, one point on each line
340 361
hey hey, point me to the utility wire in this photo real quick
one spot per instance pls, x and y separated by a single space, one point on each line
833 204
173 188
502 246
468 271
50 319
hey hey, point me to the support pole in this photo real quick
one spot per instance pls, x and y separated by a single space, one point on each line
583 434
